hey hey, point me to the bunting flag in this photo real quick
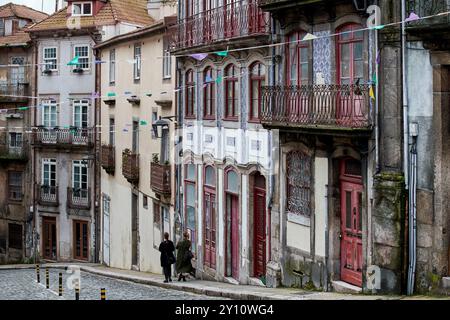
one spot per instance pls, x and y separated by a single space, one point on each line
371 93
95 95
164 92
374 79
23 108
99 61
144 123
127 93
222 53
412 17
125 130
219 79
198 56
74 62
208 79
379 57
148 94
379 27
111 94
309 36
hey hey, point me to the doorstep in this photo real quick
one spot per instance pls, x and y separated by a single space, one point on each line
344 287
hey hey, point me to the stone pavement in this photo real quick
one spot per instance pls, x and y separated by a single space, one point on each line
218 289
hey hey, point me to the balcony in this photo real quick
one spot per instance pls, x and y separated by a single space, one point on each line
317 107
75 137
47 195
14 92
432 28
130 166
15 150
108 158
273 5
237 20
79 198
160 178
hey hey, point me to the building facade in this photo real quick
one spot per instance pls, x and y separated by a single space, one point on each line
66 171
138 125
16 85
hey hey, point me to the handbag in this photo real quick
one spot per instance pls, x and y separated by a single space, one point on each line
171 259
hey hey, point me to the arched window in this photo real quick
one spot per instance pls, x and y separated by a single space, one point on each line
189 94
232 258
298 178
298 62
209 211
231 93
350 54
257 81
209 110
190 198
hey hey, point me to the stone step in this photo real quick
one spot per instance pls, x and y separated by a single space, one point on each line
344 287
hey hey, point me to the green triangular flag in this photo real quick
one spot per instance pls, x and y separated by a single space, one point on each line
111 94
374 79
23 108
144 123
74 62
219 79
222 53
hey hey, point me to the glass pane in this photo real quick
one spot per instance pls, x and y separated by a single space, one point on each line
190 214
210 178
358 51
190 195
190 172
360 211
359 69
232 182
345 61
348 208
303 54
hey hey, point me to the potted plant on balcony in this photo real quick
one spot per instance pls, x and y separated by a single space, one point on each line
155 158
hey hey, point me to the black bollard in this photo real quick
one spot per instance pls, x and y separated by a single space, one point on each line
38 273
77 293
103 294
60 292
47 279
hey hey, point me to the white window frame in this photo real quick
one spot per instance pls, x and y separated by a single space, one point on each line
80 103
88 57
17 141
49 104
167 64
81 14
81 165
137 68
112 66
51 164
55 59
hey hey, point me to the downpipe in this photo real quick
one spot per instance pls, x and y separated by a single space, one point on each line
412 204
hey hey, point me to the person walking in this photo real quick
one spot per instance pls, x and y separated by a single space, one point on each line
167 257
184 257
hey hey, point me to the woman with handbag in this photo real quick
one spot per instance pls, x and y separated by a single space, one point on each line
167 257
184 256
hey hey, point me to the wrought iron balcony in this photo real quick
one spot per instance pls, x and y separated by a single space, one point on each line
130 166
326 107
270 5
79 198
427 8
160 178
48 195
75 137
14 92
234 20
16 151
108 158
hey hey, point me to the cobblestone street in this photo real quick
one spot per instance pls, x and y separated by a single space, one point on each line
22 285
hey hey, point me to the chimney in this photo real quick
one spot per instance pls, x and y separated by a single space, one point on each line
153 9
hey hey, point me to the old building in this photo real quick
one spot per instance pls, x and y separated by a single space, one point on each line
65 142
225 163
138 125
16 85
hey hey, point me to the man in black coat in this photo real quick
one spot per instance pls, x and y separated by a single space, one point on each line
167 257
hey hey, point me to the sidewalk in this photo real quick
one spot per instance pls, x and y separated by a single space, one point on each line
216 289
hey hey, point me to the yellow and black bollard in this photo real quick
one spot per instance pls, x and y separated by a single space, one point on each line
77 292
47 279
60 291
38 273
103 294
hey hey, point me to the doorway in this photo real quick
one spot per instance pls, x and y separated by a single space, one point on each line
259 225
49 238
134 229
232 224
80 240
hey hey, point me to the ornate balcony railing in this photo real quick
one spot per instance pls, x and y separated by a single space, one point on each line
13 150
108 158
233 20
64 137
79 198
47 195
130 166
317 106
273 4
427 8
160 178
14 92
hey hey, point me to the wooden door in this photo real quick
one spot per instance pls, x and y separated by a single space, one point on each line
351 231
49 238
259 225
80 240
232 244
210 229
106 233
134 229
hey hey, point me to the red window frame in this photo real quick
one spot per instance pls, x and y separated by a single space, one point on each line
209 192
290 38
209 107
189 94
258 79
231 83
349 38
187 182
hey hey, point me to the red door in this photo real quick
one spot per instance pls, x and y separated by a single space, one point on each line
210 229
259 207
49 238
232 259
80 240
351 230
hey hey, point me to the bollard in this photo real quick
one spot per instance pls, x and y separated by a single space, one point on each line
77 293
38 273
47 279
103 294
60 292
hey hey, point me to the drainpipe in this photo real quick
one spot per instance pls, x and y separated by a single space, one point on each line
34 161
97 181
377 105
405 101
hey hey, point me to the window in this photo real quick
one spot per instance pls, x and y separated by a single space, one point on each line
154 119
209 208
208 94
49 176
167 64
82 52
15 140
137 62
157 214
50 59
350 53
135 138
2 27
145 202
49 114
18 71
231 93
80 178
80 113
298 183
112 66
112 133
82 9
15 186
190 198
257 81
297 66
189 94
15 236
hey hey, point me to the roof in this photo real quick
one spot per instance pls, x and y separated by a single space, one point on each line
20 38
21 11
114 11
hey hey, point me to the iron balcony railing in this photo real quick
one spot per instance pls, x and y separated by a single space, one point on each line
64 137
47 195
237 19
160 178
14 92
79 198
108 158
317 106
130 166
428 8
13 150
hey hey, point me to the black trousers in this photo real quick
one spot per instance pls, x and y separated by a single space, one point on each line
168 271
